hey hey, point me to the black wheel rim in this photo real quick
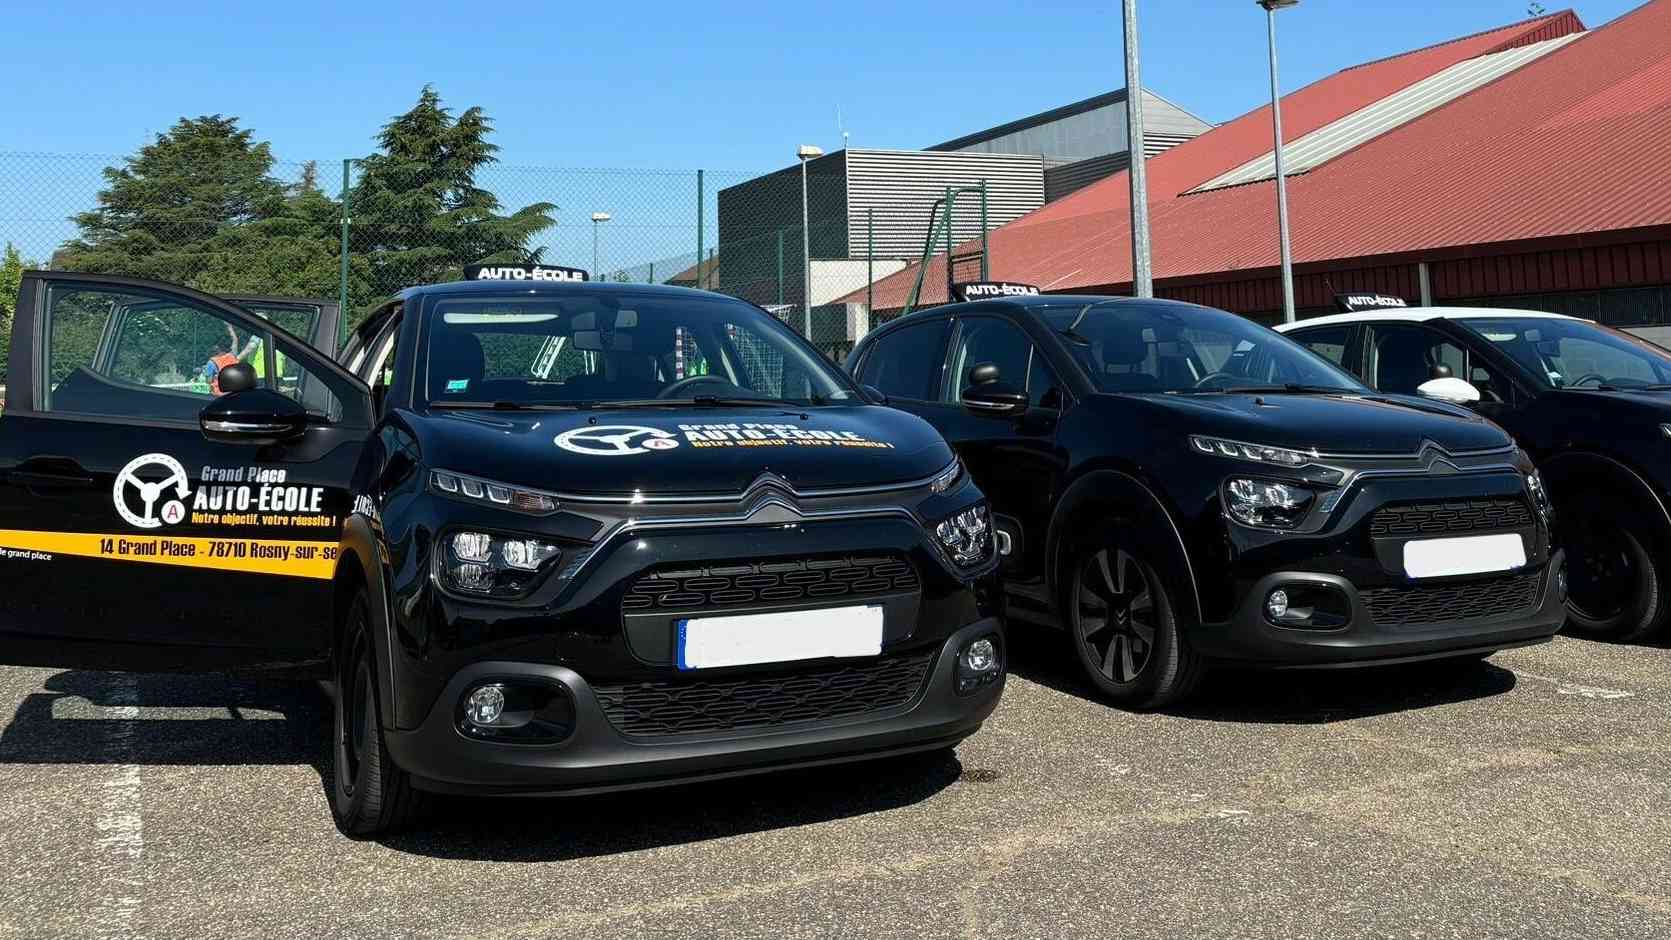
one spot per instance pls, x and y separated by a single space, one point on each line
1605 576
354 702
1115 615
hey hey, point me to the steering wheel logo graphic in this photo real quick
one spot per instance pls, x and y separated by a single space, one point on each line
151 515
616 440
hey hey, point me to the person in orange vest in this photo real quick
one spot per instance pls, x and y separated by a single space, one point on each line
220 360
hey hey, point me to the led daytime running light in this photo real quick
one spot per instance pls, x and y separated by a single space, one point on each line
475 489
1257 453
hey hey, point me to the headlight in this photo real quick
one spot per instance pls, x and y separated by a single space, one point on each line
503 495
486 564
1267 504
947 478
1258 453
1540 496
967 536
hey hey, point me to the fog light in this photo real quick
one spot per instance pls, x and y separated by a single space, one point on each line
981 656
1561 583
1277 604
485 705
978 664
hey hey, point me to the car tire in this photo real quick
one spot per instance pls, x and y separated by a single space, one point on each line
1616 590
1123 626
370 796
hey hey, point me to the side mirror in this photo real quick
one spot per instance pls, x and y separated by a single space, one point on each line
252 416
988 395
1456 391
873 394
236 377
1440 371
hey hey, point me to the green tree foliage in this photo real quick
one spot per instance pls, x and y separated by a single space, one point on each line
424 217
199 206
11 279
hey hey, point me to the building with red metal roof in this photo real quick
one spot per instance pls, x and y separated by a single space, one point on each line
1524 166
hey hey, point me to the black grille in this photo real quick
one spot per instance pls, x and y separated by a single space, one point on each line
769 583
1392 607
712 705
1406 520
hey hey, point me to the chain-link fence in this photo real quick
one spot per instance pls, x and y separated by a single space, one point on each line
235 221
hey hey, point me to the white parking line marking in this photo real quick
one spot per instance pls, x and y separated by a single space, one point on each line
1563 687
121 823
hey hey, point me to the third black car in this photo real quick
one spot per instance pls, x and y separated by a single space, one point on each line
1178 486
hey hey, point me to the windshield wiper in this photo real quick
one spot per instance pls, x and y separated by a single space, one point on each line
1291 388
708 401
503 405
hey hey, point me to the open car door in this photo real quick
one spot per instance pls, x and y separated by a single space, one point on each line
150 519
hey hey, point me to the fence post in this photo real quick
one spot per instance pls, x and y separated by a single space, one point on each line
342 285
652 279
949 198
870 263
984 269
780 267
700 280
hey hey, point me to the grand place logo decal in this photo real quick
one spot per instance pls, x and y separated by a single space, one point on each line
150 515
616 440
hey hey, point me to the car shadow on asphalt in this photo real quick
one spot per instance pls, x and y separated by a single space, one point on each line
530 829
1279 697
80 718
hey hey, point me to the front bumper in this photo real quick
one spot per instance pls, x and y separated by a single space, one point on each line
1249 638
597 757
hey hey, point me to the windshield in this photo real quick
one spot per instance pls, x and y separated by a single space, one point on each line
596 348
1561 353
1128 346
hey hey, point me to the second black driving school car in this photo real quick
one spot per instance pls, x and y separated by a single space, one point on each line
1591 404
1178 486
545 537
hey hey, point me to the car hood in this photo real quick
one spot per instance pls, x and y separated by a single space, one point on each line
1337 424
696 450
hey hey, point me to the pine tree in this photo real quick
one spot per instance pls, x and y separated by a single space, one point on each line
11 280
418 213
199 206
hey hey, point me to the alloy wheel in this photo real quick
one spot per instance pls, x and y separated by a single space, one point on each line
1604 574
1115 618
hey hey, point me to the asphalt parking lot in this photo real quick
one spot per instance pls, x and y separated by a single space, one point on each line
1526 796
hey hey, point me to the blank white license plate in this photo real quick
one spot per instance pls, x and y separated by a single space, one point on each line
1476 554
746 639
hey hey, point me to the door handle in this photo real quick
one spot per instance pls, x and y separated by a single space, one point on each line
34 478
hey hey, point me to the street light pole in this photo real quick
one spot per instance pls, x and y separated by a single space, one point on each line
804 153
1271 6
597 217
1142 277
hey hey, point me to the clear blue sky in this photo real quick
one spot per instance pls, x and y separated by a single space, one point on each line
635 84
640 85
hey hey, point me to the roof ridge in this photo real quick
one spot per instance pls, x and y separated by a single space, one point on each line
1539 20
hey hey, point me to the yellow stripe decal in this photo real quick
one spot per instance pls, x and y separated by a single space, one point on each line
256 556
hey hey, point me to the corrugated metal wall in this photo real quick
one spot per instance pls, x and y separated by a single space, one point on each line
902 185
1061 179
756 215
1537 280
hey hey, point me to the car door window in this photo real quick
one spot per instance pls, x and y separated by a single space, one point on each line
1404 356
988 340
906 362
1042 386
1330 342
119 353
